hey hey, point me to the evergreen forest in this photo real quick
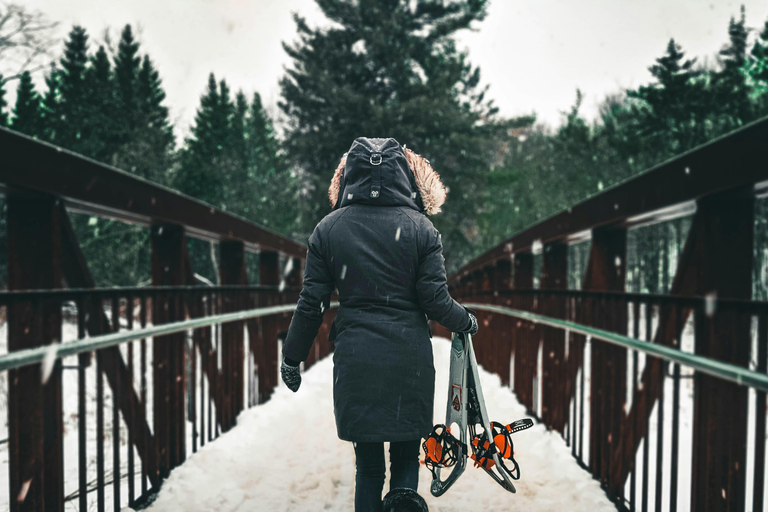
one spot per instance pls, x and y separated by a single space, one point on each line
389 68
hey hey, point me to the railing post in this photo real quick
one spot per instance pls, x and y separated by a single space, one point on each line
232 272
269 275
502 281
34 408
168 269
524 340
720 408
554 276
605 272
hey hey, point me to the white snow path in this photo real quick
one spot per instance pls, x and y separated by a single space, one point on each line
285 456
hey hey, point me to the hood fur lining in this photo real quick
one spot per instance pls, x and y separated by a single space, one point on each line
431 188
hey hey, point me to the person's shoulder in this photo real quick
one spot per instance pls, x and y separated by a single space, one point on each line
421 221
327 222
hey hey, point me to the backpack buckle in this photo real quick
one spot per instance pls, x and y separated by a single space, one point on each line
374 156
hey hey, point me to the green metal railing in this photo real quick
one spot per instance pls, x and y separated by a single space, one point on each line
718 369
26 357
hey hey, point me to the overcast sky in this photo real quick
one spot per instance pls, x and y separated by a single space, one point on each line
534 53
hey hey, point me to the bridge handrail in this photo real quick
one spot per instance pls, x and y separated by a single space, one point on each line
641 198
729 372
26 357
91 187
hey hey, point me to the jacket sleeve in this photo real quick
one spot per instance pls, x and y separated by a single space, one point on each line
432 286
314 299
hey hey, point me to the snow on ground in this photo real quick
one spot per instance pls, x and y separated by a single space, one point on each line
285 456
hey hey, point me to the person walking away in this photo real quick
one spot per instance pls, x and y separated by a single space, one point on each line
385 257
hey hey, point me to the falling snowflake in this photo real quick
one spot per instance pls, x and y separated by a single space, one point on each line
343 272
48 361
710 304
23 491
397 234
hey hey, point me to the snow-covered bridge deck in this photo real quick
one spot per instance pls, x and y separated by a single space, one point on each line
285 456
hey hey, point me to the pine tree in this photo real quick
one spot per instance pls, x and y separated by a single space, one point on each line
390 68
204 148
144 136
731 90
150 98
127 64
51 105
27 114
274 198
758 71
3 104
73 104
669 112
101 119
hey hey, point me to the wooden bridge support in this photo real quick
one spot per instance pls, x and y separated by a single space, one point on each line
168 352
554 276
232 272
526 340
266 359
502 324
605 272
725 236
34 408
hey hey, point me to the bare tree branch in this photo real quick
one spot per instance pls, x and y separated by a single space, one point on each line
26 40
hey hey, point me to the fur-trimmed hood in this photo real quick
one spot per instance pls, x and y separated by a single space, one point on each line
381 172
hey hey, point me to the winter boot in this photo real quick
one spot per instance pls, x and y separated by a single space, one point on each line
404 500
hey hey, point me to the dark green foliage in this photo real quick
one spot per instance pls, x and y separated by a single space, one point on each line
102 116
27 114
127 64
730 87
50 105
389 68
71 125
232 161
203 154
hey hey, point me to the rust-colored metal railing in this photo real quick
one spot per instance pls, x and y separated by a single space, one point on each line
622 410
153 399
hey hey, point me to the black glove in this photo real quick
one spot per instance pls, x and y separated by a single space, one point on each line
472 324
291 376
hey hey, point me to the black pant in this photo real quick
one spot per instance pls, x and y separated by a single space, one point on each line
369 480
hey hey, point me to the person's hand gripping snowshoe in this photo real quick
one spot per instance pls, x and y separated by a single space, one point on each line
471 329
290 375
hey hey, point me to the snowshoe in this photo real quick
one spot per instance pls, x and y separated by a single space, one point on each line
466 409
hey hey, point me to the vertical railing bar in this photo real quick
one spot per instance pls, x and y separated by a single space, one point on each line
217 308
759 479
646 442
660 435
143 379
131 420
581 396
100 495
633 426
116 415
194 303
212 386
82 440
203 363
678 314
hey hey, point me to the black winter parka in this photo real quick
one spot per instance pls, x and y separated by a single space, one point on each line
382 253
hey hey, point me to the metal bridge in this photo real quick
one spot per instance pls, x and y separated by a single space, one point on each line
172 365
